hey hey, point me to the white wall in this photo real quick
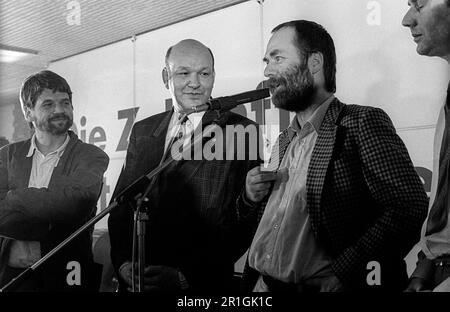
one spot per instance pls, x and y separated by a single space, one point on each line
377 66
6 121
128 74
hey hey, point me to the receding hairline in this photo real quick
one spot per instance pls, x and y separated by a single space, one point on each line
294 40
192 41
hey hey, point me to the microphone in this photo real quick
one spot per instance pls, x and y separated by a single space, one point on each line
226 103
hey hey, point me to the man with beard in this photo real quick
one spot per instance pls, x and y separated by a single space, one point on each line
429 21
346 205
49 186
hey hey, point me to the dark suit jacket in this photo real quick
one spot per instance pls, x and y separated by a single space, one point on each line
365 200
193 222
49 215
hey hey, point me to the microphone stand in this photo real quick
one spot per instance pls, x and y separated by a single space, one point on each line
25 274
140 221
129 194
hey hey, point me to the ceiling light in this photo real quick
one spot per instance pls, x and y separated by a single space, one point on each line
10 54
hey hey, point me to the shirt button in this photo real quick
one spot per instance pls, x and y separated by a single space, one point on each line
268 256
275 226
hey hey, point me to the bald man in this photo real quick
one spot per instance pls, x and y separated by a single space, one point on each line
195 234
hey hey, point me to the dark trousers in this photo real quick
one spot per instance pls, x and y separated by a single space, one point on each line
310 286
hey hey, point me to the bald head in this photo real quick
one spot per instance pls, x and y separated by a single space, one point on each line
186 43
189 73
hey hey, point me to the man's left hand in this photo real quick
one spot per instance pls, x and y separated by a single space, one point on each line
161 278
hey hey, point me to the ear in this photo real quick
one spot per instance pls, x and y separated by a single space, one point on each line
27 114
165 77
315 62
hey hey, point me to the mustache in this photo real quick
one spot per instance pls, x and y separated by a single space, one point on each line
274 82
58 116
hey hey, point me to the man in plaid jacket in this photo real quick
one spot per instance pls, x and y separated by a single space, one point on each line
193 238
345 204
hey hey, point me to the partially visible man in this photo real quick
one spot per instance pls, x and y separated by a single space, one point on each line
194 235
429 21
49 186
347 204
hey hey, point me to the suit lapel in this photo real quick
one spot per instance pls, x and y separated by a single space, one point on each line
59 169
154 149
320 159
22 166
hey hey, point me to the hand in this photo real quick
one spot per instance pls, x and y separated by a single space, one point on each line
326 281
332 284
257 184
416 284
125 273
156 278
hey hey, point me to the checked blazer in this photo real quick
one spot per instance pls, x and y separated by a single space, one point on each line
193 222
365 201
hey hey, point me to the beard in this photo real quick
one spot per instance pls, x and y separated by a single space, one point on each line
293 91
56 124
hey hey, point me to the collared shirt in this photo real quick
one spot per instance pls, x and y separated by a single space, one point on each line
194 120
24 253
437 244
42 169
284 246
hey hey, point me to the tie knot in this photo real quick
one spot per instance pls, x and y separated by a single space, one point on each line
186 127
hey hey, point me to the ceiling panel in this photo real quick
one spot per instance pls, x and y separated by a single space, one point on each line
49 27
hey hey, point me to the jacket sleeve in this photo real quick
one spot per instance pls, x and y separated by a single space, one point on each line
246 211
13 222
69 201
395 187
245 216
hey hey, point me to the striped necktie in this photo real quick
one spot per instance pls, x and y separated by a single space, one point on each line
180 127
186 127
